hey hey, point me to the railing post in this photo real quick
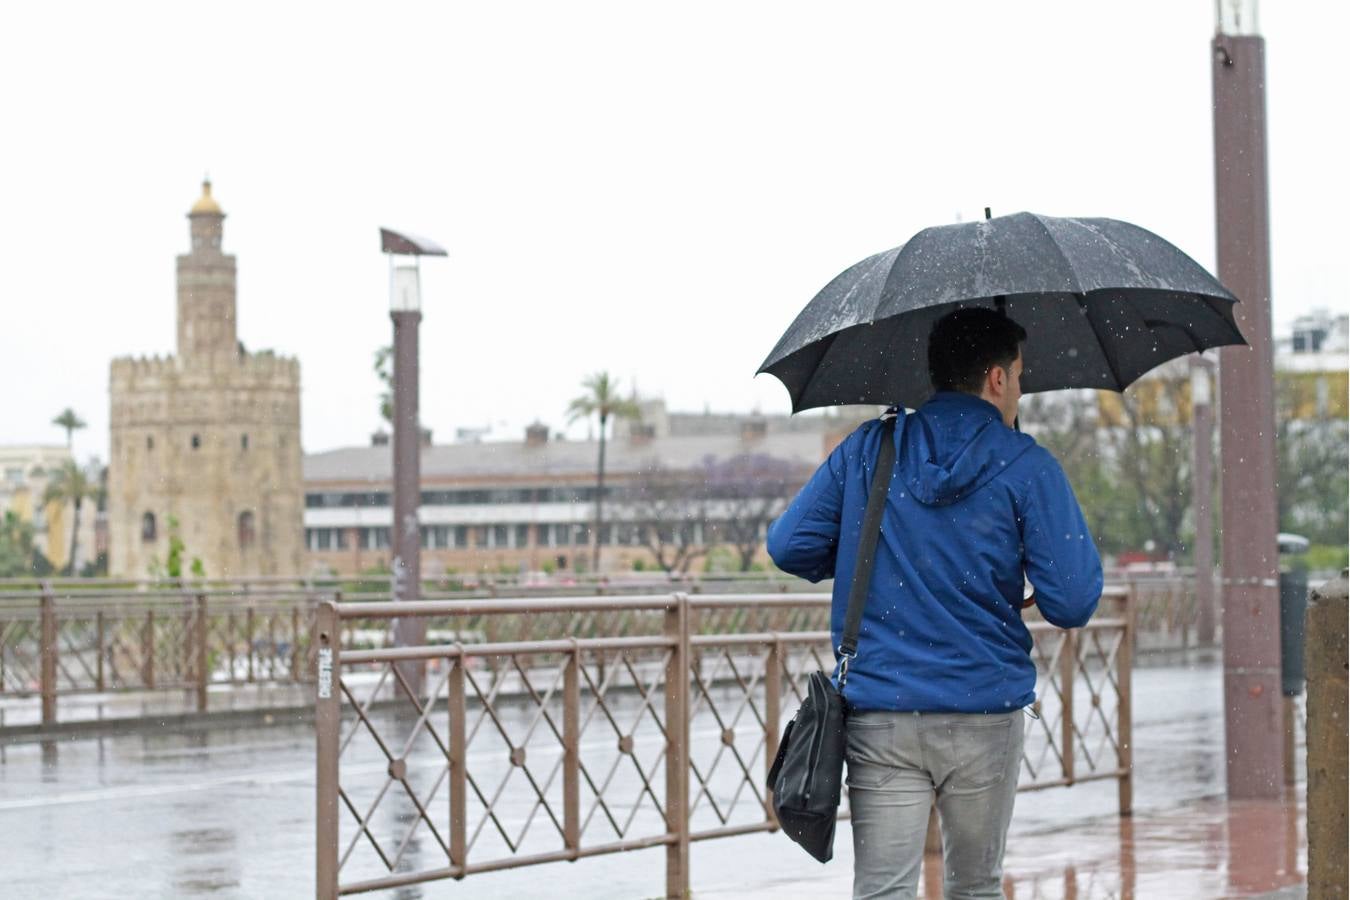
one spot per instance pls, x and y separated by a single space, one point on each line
295 643
102 650
456 703
148 650
187 637
48 650
677 747
248 638
572 751
1068 664
327 728
1125 710
773 713
231 645
203 666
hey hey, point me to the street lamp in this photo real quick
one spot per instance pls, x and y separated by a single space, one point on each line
405 308
1251 629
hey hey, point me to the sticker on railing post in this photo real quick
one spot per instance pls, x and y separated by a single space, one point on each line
325 672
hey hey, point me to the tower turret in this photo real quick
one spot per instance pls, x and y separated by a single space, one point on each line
206 286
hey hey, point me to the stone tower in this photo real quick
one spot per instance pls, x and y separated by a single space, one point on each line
209 438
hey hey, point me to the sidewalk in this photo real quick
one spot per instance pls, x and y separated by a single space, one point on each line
1202 850
1184 840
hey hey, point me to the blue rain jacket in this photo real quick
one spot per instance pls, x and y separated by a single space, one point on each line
973 505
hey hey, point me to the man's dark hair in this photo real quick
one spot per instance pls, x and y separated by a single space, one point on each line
964 345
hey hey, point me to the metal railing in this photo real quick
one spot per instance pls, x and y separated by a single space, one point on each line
640 722
75 637
61 641
71 637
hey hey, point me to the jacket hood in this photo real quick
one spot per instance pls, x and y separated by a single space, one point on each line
954 445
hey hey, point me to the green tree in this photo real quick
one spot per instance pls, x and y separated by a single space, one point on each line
70 422
173 565
1153 450
1128 457
16 546
1313 456
383 371
70 484
601 399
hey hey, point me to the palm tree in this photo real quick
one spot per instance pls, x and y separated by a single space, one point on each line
602 399
70 484
70 422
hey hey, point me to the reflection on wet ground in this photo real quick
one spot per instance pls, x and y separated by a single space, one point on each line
228 812
1207 848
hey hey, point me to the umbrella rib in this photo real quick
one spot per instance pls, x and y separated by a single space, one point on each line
1190 335
1073 273
1211 304
1106 354
827 343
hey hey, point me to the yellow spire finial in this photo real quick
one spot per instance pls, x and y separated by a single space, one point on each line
206 204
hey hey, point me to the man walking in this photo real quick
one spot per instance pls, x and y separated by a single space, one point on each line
943 668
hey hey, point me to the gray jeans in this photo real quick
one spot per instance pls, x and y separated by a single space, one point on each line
897 761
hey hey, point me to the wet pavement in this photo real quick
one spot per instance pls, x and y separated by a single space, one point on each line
228 812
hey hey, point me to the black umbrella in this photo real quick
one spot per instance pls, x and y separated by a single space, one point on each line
1102 301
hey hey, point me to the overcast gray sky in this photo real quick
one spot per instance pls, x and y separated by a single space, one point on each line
653 189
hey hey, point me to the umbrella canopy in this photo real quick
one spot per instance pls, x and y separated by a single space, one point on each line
1102 301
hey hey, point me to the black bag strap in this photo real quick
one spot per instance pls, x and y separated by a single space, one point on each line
867 547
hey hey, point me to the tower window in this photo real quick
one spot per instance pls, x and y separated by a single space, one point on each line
243 442
148 527
196 442
149 442
246 532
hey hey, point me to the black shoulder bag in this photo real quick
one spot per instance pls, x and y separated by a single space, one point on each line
807 773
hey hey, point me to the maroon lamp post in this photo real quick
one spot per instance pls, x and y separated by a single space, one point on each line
1251 601
405 308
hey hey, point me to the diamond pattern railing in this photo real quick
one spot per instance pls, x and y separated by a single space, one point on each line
1080 729
57 643
642 722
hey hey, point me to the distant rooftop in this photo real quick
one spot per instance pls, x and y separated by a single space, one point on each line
552 460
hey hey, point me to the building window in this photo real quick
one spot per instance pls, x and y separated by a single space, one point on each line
246 532
461 536
501 536
149 442
196 442
374 538
522 536
481 536
326 538
148 527
436 537
243 442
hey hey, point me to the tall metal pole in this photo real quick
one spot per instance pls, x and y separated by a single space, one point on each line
1202 423
1251 608
405 535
